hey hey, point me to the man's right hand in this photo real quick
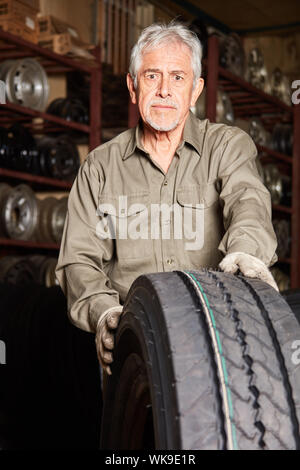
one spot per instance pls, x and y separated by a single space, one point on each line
105 338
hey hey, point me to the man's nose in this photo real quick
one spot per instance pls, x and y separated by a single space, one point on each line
164 87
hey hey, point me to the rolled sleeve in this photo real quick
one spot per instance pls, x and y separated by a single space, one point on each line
84 257
247 208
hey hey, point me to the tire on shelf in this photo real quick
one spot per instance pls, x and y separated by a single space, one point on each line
5 189
282 228
58 217
232 55
23 150
282 279
202 360
20 213
44 229
27 83
6 263
47 272
273 182
59 157
17 270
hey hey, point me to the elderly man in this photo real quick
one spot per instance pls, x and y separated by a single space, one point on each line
171 159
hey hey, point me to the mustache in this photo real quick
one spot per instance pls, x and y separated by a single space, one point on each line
171 103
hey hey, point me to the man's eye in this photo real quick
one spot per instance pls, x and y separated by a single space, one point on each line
152 76
178 78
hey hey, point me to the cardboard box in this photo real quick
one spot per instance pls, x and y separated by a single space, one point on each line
48 25
59 43
61 37
32 3
19 19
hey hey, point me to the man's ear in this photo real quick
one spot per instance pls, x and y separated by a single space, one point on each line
197 91
132 91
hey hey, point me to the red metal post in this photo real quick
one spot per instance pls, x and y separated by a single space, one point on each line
95 103
212 78
295 248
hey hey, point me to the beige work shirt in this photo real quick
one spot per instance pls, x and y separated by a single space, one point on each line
213 175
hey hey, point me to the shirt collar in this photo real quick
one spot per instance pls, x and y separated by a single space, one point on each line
193 134
135 141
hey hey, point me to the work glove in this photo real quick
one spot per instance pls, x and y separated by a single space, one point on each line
249 266
108 321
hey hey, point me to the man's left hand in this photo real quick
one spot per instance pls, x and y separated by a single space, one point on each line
249 266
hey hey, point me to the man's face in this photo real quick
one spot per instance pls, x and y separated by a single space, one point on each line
165 86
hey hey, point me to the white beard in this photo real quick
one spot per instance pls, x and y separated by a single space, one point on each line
168 128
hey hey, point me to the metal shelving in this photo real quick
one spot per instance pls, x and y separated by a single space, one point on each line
35 180
8 242
14 47
11 112
249 101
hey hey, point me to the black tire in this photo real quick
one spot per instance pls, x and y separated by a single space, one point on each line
202 360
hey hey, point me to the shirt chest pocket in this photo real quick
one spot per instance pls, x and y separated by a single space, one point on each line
204 195
125 218
196 205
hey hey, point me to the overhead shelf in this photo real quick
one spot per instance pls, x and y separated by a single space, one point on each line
281 208
53 63
11 112
13 47
35 179
248 99
8 242
278 156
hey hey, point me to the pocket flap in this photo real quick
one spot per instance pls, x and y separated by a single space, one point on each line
123 205
205 194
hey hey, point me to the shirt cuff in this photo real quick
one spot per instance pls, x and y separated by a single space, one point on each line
250 249
109 310
97 313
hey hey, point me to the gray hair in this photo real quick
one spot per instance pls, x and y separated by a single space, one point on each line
158 34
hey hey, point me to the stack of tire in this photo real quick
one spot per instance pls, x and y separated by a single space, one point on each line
28 269
282 138
54 157
71 109
278 184
25 217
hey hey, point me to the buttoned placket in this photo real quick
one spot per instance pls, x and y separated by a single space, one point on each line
168 257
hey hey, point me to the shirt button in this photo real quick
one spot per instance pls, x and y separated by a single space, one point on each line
165 182
169 261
